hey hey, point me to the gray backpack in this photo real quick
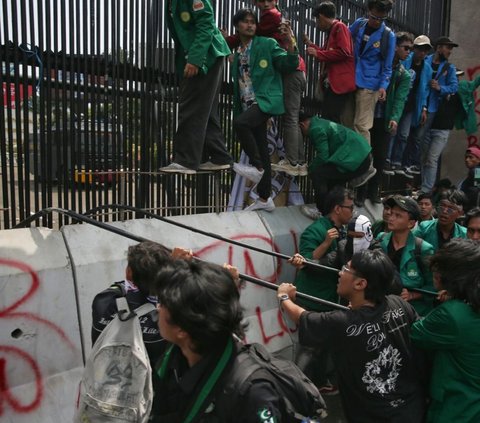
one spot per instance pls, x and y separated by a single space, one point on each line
117 381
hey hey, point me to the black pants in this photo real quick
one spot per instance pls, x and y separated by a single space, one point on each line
379 139
333 105
325 177
199 130
251 129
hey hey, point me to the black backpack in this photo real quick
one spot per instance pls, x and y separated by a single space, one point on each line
301 400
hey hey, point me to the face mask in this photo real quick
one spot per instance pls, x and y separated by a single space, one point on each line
362 224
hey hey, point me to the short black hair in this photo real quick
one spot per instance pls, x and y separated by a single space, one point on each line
325 8
425 196
145 260
379 271
457 264
472 214
203 300
336 197
380 5
242 14
454 196
403 36
303 115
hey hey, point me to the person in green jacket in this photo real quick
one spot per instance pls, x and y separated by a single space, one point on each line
257 70
452 333
438 232
409 254
466 118
387 115
200 52
340 155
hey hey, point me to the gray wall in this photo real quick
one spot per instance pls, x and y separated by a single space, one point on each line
464 30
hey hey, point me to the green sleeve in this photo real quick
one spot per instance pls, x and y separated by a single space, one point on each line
401 94
311 238
319 139
204 30
283 61
438 330
427 252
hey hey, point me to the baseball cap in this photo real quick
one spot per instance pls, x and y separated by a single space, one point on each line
475 150
405 203
422 40
445 41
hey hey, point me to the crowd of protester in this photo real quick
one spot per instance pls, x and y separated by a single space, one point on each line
407 347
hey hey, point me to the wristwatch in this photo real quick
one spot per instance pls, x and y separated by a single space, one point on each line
282 298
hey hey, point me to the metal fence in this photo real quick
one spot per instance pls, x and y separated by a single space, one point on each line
90 103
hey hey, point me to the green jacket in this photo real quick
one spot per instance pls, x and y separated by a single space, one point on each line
336 144
198 40
468 119
397 93
412 273
452 332
428 231
319 283
267 63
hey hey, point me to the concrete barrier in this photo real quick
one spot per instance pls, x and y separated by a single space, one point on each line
48 280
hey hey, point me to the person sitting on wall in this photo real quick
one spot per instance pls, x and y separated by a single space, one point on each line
341 155
380 375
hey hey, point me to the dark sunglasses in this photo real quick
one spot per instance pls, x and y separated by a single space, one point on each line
406 48
377 18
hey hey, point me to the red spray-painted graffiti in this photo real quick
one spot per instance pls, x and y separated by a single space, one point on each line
249 269
7 398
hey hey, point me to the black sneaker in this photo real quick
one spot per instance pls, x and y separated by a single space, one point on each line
363 178
388 170
414 170
399 170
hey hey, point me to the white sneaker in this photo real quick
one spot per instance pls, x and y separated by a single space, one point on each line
249 172
363 178
177 168
302 169
213 166
268 205
285 166
310 211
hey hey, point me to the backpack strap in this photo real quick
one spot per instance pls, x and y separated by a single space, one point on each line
385 41
124 312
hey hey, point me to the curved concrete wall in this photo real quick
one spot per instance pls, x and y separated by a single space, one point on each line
48 280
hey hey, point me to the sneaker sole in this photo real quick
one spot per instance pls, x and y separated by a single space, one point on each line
216 167
249 177
288 172
185 172
388 173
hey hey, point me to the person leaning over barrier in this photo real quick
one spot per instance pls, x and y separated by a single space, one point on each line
379 372
452 333
200 314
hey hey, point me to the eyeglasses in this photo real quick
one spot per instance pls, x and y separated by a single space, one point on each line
352 207
447 209
345 269
377 18
406 48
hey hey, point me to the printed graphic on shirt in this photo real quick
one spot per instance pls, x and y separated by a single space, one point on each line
382 373
185 16
265 416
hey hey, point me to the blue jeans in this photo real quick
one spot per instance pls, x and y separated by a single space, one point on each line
433 145
398 143
412 152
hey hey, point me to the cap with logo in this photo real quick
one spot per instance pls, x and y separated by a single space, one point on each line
445 41
405 203
422 40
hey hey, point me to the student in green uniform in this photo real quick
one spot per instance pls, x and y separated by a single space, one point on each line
200 52
452 332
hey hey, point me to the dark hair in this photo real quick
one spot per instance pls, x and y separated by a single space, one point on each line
403 36
454 196
242 14
379 271
472 214
457 264
145 260
336 197
203 300
380 5
303 115
425 196
325 8
443 183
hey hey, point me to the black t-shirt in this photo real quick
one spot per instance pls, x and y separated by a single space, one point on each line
412 95
379 371
104 309
366 36
395 255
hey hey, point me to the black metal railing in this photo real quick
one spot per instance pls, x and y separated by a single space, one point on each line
90 103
